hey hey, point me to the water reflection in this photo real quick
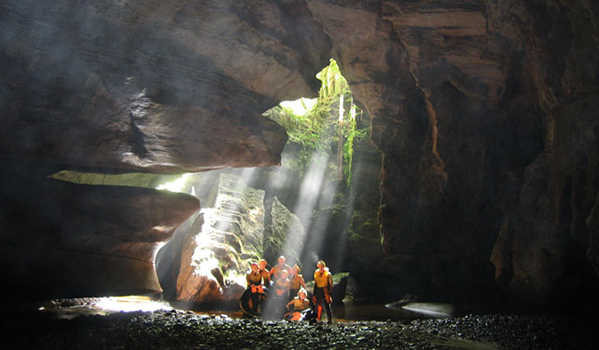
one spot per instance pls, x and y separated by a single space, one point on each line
346 312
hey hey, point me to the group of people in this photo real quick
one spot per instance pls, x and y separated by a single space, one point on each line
286 283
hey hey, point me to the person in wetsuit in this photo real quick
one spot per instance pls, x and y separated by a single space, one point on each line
254 281
265 273
300 307
275 272
323 288
297 281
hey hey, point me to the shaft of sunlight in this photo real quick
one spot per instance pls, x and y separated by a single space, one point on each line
309 195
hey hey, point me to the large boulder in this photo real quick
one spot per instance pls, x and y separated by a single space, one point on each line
206 261
285 234
222 241
60 239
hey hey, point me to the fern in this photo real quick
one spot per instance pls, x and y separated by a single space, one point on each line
318 129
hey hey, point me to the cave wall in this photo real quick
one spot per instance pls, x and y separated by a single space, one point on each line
484 111
470 100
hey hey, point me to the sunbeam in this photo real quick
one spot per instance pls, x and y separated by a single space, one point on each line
308 199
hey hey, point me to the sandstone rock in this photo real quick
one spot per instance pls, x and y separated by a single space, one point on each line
593 251
285 234
222 241
82 240
553 225
215 250
365 198
151 87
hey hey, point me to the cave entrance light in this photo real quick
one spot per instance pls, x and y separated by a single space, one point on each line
321 132
301 106
324 130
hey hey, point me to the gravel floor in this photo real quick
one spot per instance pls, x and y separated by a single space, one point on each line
177 329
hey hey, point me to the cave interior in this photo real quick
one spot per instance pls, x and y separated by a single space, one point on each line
478 182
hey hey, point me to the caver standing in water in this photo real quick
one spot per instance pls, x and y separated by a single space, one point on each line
278 296
264 272
282 286
297 281
323 288
254 284
275 272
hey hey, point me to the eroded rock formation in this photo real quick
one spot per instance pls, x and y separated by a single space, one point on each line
66 240
128 80
206 262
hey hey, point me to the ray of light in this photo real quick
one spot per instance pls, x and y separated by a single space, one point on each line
308 200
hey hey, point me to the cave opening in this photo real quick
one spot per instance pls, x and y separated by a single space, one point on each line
319 204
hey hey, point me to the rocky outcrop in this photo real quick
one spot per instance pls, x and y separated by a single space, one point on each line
148 87
61 239
206 261
365 197
222 242
285 234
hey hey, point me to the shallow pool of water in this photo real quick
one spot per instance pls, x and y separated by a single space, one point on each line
348 311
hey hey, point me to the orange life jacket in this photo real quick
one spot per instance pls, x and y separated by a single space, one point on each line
323 279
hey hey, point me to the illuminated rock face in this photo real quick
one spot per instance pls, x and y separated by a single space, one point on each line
207 261
285 234
485 113
223 240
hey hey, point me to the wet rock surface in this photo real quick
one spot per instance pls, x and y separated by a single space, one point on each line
185 330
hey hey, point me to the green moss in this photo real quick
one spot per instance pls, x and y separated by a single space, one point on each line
320 129
127 179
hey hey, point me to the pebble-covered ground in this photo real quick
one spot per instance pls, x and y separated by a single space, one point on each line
177 329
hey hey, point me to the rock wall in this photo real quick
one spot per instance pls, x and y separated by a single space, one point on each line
483 113
206 261
223 240
285 234
66 240
363 231
145 86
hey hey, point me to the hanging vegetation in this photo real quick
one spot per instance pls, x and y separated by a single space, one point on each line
329 126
